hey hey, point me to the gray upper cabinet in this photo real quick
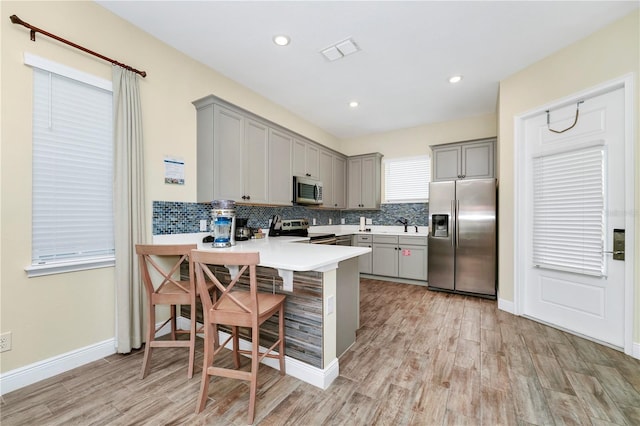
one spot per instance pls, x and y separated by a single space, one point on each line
326 176
227 161
256 167
339 182
332 173
306 157
363 181
280 183
240 157
464 160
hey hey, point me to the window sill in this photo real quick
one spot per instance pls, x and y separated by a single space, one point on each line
421 201
70 266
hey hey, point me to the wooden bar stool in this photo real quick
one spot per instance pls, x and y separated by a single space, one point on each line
235 308
164 289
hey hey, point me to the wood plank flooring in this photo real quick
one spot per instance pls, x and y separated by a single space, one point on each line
421 358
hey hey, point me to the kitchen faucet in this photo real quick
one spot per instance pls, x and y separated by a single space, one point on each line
403 221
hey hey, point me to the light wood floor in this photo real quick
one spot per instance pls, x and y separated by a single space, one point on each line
421 358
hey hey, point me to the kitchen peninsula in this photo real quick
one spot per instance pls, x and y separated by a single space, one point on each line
322 287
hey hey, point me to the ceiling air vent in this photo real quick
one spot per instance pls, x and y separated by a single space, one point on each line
340 50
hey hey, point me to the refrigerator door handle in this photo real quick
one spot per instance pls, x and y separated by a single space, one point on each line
457 224
453 221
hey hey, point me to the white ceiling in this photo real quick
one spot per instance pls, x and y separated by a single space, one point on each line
409 49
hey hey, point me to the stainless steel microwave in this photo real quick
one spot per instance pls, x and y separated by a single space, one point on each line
307 190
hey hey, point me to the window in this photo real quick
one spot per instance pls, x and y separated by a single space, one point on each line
406 180
72 222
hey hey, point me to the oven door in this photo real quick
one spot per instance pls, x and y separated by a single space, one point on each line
327 241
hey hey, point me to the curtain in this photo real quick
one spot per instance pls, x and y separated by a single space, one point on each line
129 212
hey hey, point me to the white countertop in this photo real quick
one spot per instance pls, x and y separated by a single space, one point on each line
281 253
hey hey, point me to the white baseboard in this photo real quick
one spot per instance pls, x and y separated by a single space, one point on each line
635 350
32 373
506 305
29 374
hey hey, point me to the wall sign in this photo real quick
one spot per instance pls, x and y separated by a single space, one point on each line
174 170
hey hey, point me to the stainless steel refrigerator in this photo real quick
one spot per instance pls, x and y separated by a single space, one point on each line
462 237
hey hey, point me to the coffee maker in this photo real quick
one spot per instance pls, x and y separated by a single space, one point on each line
224 223
243 232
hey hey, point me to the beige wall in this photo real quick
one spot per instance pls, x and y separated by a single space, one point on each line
607 54
55 314
416 140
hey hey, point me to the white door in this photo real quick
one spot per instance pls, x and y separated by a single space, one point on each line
575 197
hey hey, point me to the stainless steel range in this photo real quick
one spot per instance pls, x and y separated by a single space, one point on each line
298 228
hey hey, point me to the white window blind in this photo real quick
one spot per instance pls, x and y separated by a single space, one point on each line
568 211
72 170
407 179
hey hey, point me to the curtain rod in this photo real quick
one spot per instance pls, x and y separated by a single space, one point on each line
34 30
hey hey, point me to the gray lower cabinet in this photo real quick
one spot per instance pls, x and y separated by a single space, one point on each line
400 256
464 160
365 261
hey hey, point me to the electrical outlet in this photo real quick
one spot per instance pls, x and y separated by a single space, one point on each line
203 225
5 341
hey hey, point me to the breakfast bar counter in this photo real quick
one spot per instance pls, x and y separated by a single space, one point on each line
321 283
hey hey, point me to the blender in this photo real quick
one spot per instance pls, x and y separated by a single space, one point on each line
224 223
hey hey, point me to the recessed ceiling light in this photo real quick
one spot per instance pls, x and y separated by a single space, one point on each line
455 79
353 104
281 40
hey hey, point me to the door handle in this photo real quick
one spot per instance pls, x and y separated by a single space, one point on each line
618 245
457 224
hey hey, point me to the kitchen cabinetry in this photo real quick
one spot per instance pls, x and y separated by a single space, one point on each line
279 170
306 157
240 157
256 167
365 261
332 173
400 256
363 181
464 160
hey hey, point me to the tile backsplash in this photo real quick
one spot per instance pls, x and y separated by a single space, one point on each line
171 217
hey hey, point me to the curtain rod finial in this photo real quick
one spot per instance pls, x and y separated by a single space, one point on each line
16 20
